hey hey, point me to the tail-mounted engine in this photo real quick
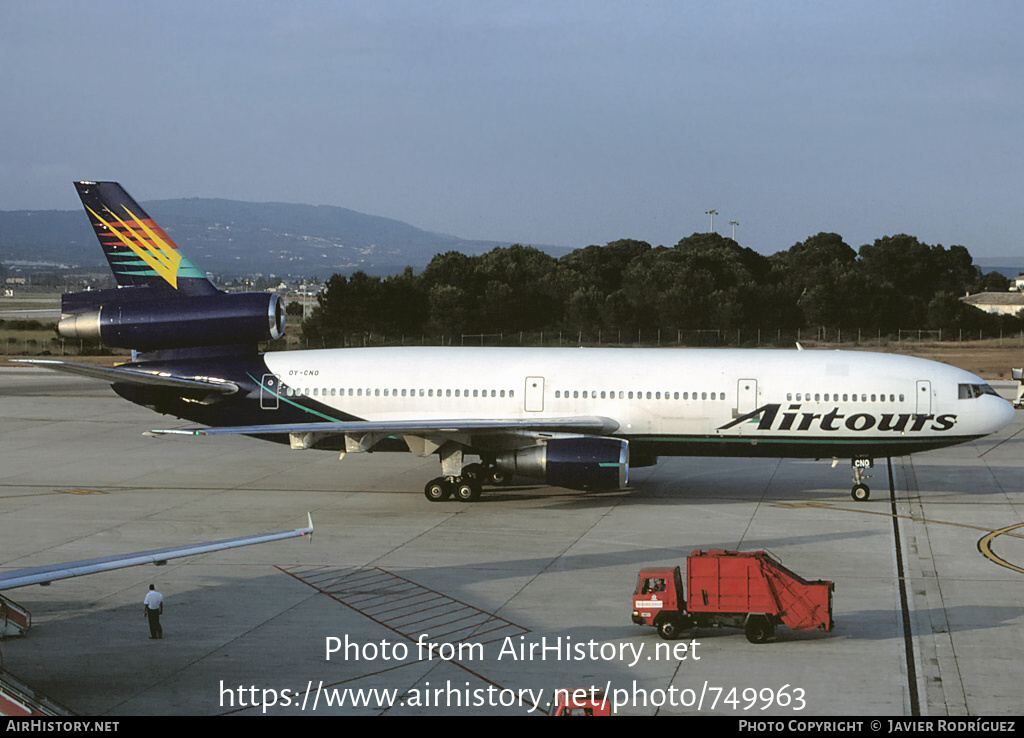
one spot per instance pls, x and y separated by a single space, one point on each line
146 319
577 462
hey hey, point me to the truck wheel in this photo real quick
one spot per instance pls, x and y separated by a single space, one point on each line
759 629
669 629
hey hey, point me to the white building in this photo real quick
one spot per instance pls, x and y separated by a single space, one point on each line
1003 303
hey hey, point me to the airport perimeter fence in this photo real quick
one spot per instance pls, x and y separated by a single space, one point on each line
35 343
673 338
12 344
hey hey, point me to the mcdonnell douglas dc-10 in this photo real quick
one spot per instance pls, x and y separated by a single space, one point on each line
577 418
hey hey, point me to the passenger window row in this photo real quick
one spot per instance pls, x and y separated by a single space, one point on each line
835 397
648 395
393 392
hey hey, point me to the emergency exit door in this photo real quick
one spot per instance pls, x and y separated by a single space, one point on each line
924 397
534 395
269 397
746 396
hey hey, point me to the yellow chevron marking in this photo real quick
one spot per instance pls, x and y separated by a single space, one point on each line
984 543
985 546
156 252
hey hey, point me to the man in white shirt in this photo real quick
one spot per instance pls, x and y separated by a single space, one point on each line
154 608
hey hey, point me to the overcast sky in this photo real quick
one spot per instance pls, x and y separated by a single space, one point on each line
564 123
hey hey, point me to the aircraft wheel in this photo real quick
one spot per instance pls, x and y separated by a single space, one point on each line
467 491
437 490
499 477
759 629
860 492
474 473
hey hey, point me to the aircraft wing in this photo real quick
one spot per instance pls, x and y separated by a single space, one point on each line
134 376
53 572
583 425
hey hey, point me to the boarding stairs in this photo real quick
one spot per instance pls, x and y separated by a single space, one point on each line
14 619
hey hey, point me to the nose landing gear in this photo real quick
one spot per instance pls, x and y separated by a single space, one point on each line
861 491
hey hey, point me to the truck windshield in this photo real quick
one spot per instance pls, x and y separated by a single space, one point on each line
650 584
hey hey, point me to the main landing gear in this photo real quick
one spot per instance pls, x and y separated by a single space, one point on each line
441 488
861 491
466 487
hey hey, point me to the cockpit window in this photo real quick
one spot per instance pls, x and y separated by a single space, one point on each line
970 391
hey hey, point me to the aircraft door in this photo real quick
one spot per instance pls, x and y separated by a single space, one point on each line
269 399
746 396
924 397
534 395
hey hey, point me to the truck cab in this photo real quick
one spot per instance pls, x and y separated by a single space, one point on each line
659 598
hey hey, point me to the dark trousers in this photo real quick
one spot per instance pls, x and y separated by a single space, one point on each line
155 631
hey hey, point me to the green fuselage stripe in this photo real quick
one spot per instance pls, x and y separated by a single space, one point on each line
290 402
950 440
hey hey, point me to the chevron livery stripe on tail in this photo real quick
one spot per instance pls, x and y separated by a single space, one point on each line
139 252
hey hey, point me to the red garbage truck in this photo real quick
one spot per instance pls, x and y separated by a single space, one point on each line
751 590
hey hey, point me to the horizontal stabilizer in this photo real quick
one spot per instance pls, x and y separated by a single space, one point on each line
53 572
134 376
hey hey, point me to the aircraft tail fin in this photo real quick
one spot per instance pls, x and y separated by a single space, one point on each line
140 254
163 302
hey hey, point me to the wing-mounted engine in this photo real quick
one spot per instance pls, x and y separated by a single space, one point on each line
146 319
577 462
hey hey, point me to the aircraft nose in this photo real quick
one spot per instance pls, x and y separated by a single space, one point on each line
1001 414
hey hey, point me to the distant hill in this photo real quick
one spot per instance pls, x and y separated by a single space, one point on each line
234 238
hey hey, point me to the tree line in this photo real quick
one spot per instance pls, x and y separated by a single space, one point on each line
704 282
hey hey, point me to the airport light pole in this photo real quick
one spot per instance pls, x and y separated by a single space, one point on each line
712 213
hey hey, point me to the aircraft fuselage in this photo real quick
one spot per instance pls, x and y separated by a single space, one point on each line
707 402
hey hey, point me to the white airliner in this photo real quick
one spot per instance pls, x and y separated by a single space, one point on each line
581 417
577 418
